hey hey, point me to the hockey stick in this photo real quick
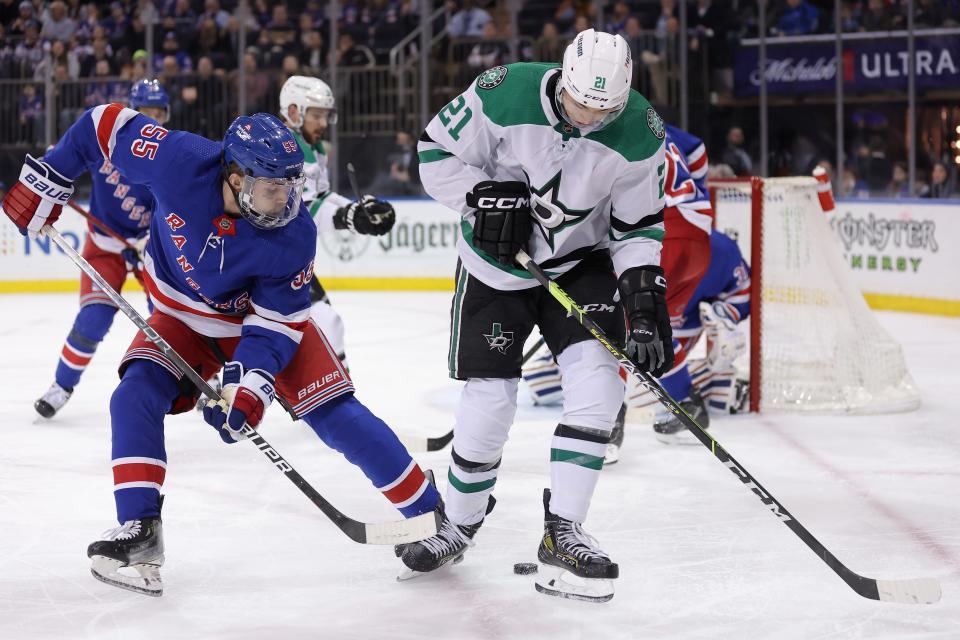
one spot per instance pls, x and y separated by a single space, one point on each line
912 591
419 443
397 532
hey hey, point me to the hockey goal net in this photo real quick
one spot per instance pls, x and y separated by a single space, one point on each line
814 345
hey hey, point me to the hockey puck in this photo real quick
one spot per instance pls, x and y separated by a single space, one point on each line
525 568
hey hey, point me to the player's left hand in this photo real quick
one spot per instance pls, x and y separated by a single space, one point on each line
368 216
245 396
643 293
133 255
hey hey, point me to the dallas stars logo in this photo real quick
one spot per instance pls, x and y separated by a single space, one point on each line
498 339
552 215
492 77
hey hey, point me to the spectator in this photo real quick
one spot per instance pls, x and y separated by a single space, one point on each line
618 20
581 23
313 54
710 26
733 154
99 92
205 101
400 176
851 186
799 17
59 55
58 25
390 28
3 190
848 17
278 37
211 41
932 13
29 51
661 27
257 82
101 51
146 12
117 26
289 67
141 66
549 47
213 11
490 51
181 20
941 183
24 17
569 10
171 49
469 21
899 186
87 22
31 115
878 17
350 54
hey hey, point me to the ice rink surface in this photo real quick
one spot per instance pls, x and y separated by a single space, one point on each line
248 556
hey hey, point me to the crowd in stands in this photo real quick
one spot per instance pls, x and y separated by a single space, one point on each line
93 51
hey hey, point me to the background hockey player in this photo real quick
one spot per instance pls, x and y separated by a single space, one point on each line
567 163
308 107
122 207
228 268
688 218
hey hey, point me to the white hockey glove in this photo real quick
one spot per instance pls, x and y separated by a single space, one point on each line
725 340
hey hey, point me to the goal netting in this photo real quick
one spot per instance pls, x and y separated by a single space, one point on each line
815 345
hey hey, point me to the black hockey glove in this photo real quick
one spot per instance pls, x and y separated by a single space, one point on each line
374 218
503 225
643 293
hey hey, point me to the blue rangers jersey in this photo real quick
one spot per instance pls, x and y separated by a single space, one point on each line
219 275
120 205
694 154
727 280
683 193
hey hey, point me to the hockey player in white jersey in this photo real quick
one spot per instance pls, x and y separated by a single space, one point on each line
566 163
308 108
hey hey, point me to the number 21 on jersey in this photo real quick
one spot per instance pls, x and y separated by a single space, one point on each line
455 112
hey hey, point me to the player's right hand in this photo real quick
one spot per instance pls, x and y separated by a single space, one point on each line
38 197
643 293
245 396
503 224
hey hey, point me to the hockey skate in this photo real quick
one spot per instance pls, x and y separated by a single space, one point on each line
446 547
136 545
616 437
571 564
669 430
52 401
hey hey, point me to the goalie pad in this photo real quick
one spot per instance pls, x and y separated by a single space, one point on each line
725 341
542 375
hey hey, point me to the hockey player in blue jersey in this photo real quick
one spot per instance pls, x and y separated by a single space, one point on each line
228 267
122 207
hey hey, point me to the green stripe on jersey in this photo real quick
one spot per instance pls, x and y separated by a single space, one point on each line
455 322
655 234
470 487
577 458
432 155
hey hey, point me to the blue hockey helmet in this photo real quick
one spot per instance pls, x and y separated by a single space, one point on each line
150 93
271 161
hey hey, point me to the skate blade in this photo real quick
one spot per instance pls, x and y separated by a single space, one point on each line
410 574
147 582
612 455
554 581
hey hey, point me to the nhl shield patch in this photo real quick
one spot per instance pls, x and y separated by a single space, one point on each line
492 77
655 122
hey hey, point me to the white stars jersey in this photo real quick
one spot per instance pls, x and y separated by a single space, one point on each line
602 190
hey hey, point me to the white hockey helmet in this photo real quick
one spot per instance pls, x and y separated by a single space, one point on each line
305 92
596 73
